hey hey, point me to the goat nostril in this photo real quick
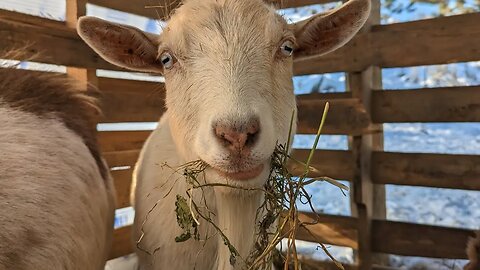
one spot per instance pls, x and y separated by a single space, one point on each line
251 138
237 138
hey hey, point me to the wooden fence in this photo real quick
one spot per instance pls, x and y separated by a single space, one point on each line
359 113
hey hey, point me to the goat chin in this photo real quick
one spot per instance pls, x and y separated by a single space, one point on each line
235 213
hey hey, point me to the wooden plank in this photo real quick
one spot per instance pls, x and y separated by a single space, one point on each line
425 42
122 242
455 39
419 240
450 104
334 230
346 116
85 77
131 101
121 158
30 19
160 10
388 237
311 264
121 140
367 200
139 101
331 163
430 170
122 180
335 164
48 43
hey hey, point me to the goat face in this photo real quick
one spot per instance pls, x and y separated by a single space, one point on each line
229 89
228 72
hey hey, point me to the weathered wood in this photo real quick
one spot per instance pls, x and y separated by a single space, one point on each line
122 180
131 101
419 240
160 10
430 170
311 264
122 242
391 237
48 43
424 42
121 158
121 140
138 101
335 164
331 163
451 104
85 77
333 230
432 41
367 200
346 116
30 19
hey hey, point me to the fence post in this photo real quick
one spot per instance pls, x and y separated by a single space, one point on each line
76 9
367 199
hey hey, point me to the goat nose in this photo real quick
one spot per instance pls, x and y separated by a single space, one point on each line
238 138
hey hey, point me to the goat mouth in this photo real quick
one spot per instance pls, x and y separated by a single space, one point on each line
242 175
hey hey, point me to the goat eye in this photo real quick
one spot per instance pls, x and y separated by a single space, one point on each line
167 60
287 48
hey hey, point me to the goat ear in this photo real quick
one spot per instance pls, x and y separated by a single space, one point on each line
329 31
121 45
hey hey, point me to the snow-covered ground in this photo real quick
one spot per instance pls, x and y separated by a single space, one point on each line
455 208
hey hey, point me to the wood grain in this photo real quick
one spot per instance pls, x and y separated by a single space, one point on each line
122 242
122 180
442 40
426 42
391 237
430 170
131 101
449 104
121 140
160 10
419 240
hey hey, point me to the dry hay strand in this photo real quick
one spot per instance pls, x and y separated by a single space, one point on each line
278 216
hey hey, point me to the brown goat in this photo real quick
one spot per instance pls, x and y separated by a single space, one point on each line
56 194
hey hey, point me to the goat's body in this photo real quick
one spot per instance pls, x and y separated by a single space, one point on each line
56 207
156 191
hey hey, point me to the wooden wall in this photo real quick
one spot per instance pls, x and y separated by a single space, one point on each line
425 42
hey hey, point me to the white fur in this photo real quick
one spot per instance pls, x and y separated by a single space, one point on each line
56 210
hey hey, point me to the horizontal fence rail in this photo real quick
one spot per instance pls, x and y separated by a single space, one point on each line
399 238
432 41
161 10
425 42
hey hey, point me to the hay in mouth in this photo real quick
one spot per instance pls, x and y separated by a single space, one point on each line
282 192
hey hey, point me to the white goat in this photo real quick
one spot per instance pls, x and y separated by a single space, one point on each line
56 194
228 72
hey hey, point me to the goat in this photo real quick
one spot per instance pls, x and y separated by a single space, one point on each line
56 194
228 71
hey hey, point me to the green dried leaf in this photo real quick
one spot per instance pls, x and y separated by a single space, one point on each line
183 237
184 219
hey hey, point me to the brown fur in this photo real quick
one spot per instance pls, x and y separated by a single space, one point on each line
473 253
52 95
